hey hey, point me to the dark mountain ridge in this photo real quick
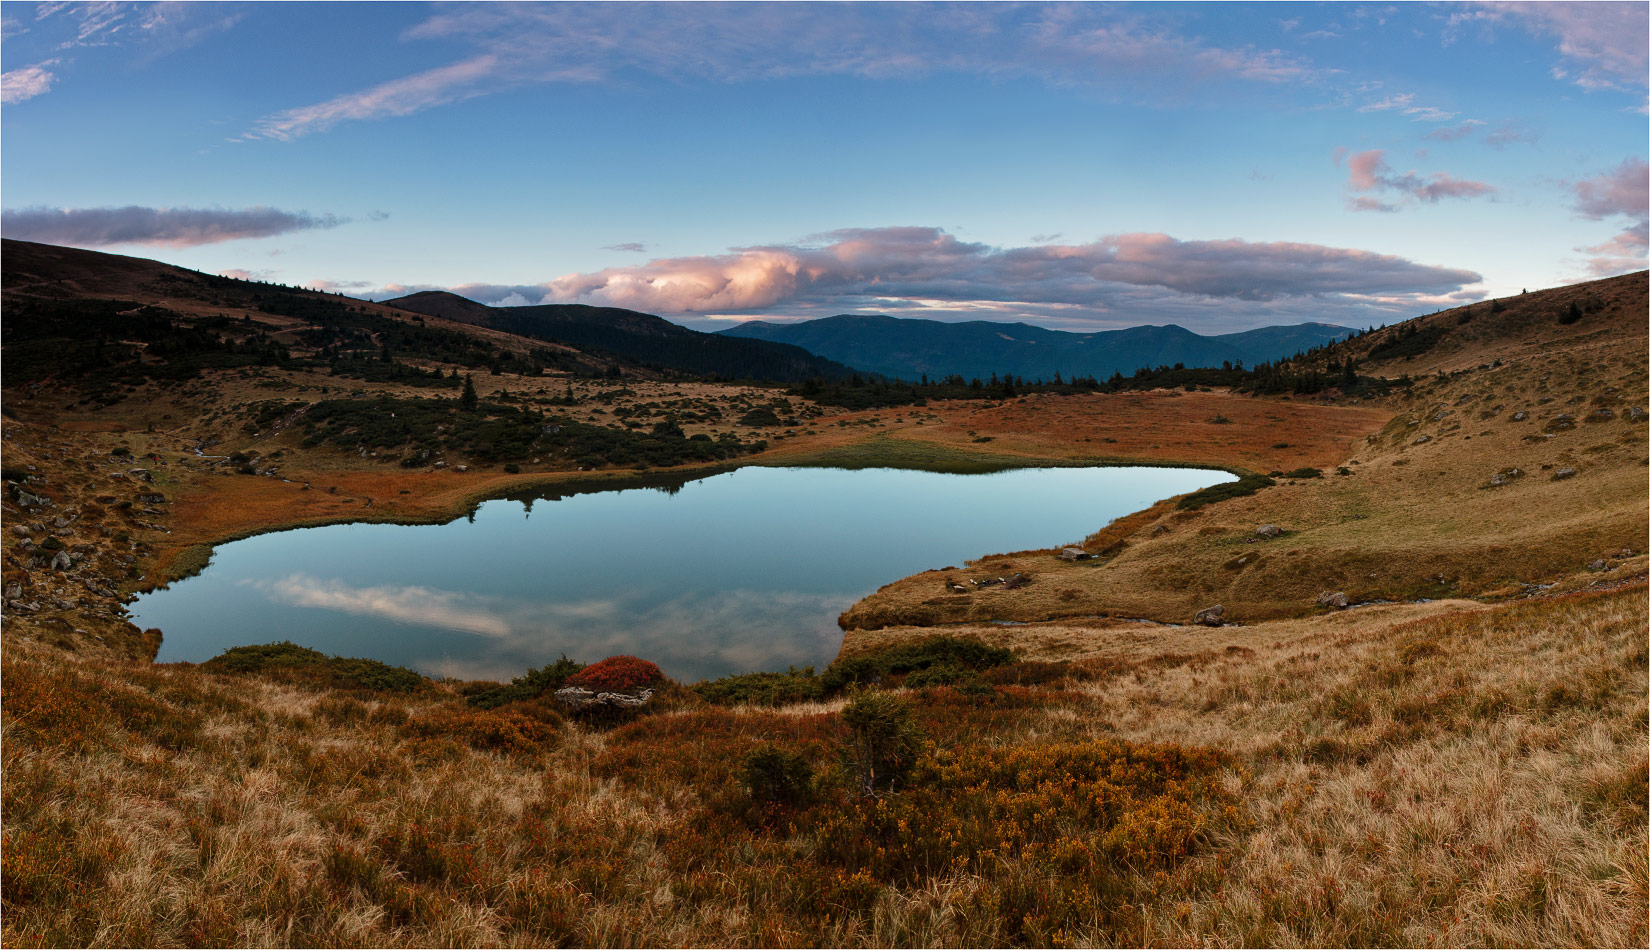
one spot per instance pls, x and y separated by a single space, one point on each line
903 348
640 337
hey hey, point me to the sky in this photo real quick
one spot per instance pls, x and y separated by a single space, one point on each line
1080 167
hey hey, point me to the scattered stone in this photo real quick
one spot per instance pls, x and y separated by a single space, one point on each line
26 500
1159 529
1423 440
20 530
1637 414
62 561
1505 476
1561 422
1564 473
461 468
14 591
1269 531
1601 415
1209 616
1599 565
1520 416
1335 599
577 698
1074 554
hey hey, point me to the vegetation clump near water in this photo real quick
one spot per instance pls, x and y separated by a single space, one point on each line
1247 485
303 663
936 661
489 432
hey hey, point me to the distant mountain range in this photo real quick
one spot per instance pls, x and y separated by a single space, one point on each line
908 349
639 338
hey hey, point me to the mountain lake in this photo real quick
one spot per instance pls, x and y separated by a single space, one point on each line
736 572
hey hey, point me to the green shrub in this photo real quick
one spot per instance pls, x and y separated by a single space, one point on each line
1304 473
762 689
535 683
950 652
346 672
776 775
883 740
1247 485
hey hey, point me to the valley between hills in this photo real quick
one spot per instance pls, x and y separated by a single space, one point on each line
1418 716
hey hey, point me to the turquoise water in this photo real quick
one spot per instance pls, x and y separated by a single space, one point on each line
741 571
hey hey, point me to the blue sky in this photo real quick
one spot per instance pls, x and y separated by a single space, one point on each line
1090 166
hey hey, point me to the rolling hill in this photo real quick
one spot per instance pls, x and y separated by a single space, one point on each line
643 338
908 349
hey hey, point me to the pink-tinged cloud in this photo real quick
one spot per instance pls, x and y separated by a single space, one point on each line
1364 169
1368 171
1609 43
161 227
918 263
1626 252
1371 204
20 85
1624 189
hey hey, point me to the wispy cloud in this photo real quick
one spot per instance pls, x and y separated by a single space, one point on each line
1368 171
24 83
153 30
1404 104
630 247
163 227
1118 52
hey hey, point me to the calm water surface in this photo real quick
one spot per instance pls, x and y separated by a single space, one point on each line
741 571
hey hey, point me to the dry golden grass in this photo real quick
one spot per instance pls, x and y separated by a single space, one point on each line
1410 775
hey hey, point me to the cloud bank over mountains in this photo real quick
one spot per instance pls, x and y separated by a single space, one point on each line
1125 278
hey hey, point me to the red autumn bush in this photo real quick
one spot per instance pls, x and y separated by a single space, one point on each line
617 674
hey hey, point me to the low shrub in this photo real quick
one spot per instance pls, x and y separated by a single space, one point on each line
507 731
1247 485
1304 473
762 689
535 683
303 663
617 674
775 775
950 652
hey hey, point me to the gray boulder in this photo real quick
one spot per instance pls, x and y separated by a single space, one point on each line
1269 531
1637 414
62 561
1520 416
1335 599
1074 554
1210 616
1423 440
1564 473
1599 565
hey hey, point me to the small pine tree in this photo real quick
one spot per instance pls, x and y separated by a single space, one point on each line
469 401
